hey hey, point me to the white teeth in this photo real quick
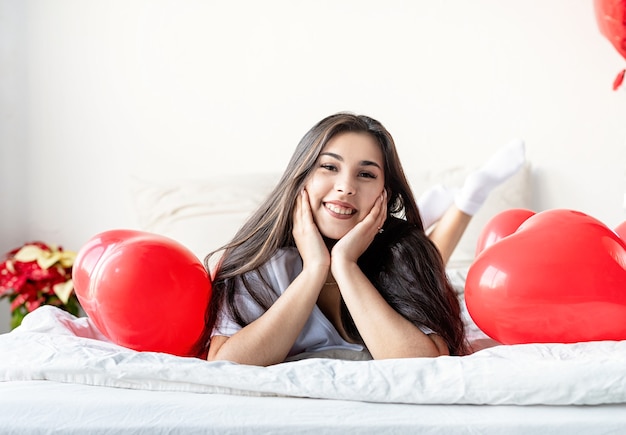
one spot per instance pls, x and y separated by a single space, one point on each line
339 210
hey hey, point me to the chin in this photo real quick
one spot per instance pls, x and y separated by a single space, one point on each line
333 230
334 235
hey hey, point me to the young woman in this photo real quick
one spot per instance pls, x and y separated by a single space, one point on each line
337 258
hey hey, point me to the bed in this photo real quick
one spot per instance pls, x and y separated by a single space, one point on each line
59 374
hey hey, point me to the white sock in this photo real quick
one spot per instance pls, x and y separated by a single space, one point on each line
500 167
433 203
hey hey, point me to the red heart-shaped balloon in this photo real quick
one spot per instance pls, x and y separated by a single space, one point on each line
560 277
501 225
611 19
621 230
143 291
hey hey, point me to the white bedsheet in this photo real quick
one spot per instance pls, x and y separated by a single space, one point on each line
53 345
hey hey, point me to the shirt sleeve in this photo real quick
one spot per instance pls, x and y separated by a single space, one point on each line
227 326
279 272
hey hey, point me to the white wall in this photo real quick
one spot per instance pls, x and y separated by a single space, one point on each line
95 92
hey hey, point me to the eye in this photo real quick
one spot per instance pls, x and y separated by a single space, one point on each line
328 167
366 174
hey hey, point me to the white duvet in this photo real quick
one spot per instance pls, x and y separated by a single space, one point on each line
53 345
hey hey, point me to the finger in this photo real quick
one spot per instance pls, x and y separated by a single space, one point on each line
378 209
373 221
296 209
378 214
307 214
297 212
383 210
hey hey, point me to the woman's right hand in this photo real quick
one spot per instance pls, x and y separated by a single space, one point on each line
269 338
307 236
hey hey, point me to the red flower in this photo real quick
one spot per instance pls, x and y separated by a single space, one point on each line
37 274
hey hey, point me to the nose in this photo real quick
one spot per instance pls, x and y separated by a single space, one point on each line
345 186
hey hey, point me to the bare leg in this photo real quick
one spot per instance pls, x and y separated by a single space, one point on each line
448 231
452 223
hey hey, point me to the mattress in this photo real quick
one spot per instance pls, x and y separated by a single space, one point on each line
38 407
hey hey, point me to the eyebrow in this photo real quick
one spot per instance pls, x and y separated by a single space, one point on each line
361 163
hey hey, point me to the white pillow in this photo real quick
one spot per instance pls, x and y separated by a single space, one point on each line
205 214
202 214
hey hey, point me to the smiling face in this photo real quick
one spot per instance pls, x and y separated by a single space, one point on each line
347 179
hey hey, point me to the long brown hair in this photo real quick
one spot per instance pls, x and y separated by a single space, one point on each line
270 226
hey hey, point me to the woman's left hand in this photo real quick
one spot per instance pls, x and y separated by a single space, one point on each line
355 242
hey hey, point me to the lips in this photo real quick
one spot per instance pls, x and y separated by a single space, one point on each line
340 209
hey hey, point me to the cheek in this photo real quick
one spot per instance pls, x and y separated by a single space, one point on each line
366 208
315 189
372 196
